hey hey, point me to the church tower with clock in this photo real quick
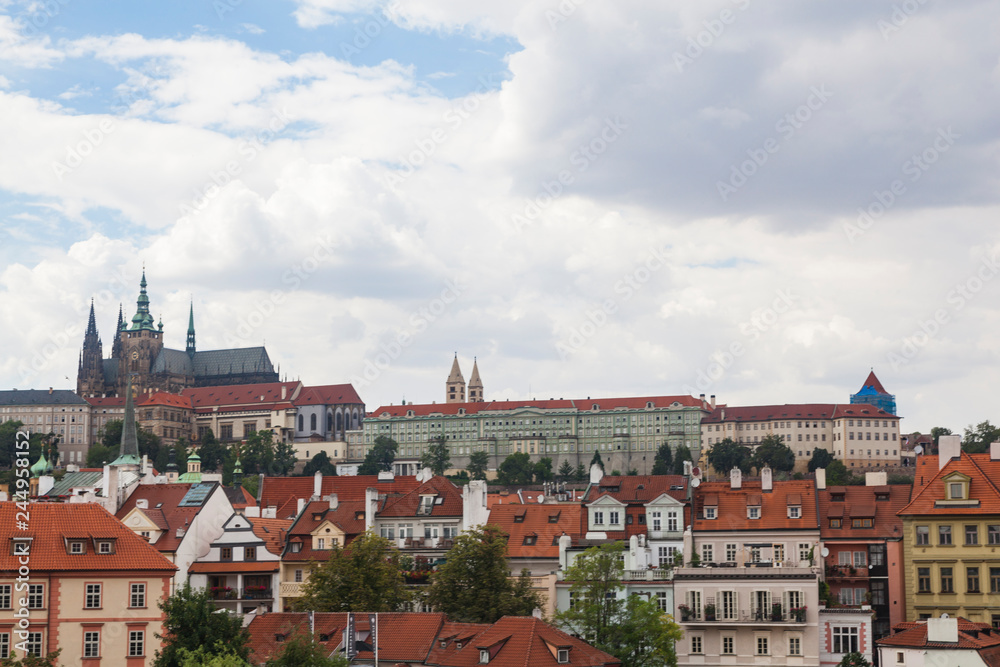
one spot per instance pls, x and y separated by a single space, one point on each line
140 344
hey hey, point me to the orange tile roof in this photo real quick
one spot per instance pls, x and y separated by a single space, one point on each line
163 398
860 502
872 381
284 492
344 517
106 402
793 411
263 396
163 510
637 489
242 566
328 394
913 634
732 507
272 531
50 523
407 504
545 522
579 405
982 472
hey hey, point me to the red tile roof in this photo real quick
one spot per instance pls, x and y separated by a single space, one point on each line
872 381
581 405
272 531
545 522
913 634
108 402
163 510
50 524
328 394
792 411
261 396
637 489
732 507
344 517
241 566
163 398
408 504
284 492
861 502
983 473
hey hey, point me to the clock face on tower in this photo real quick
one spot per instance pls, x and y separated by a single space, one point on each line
135 355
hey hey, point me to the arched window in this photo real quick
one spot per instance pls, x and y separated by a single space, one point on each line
302 423
340 423
312 422
329 422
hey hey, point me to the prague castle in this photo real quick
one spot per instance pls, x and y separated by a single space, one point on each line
138 350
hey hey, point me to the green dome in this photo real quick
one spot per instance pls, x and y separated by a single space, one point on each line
41 467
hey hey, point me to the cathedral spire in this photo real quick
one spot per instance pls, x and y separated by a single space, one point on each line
455 386
116 346
475 383
129 452
190 338
142 318
92 323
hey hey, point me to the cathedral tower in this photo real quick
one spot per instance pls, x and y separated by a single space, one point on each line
90 374
140 344
475 384
455 386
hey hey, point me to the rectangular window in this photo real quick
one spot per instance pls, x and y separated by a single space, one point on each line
91 644
665 556
860 559
672 521
804 550
249 553
136 643
972 579
728 645
778 553
844 558
947 580
707 553
613 518
794 646
971 535
923 535
137 595
710 512
944 535
728 606
4 645
298 576
794 511
763 645
995 580
924 579
598 518
93 596
657 521
730 553
661 601
33 645
696 644
845 639
36 596
226 553
993 534
5 596
753 512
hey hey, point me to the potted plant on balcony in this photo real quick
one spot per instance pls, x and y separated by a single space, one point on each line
685 612
799 613
776 611
710 612
695 560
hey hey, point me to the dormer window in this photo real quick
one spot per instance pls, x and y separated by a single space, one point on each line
956 491
753 506
296 547
562 656
77 547
105 547
794 512
20 546
530 539
519 518
484 656
753 512
554 518
711 512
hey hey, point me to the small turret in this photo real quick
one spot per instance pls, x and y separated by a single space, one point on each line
475 384
190 333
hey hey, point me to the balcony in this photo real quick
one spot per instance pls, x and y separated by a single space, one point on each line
658 574
257 593
751 617
754 570
234 594
291 589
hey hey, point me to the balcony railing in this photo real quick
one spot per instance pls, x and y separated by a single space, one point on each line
291 589
245 594
658 574
756 616
257 594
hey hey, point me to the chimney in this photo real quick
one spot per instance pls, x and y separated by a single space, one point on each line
995 451
142 504
299 505
269 512
284 392
766 480
712 401
371 506
701 397
596 473
943 630
735 478
820 479
50 391
318 484
949 447
723 414
333 500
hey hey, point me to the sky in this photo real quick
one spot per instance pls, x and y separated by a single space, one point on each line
758 201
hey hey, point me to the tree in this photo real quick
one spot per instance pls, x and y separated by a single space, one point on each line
474 584
380 457
977 439
773 452
50 660
516 469
98 455
543 470
260 454
663 462
596 458
219 656
680 456
436 456
837 475
212 452
110 436
320 463
191 623
729 454
937 432
363 576
580 474
479 463
304 651
854 660
566 471
820 459
632 629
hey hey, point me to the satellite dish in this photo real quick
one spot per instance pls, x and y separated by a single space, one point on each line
824 552
541 498
695 482
696 471
919 449
945 615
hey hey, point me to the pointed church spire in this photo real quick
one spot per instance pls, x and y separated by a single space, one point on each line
475 383
142 319
129 452
455 386
190 339
92 323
